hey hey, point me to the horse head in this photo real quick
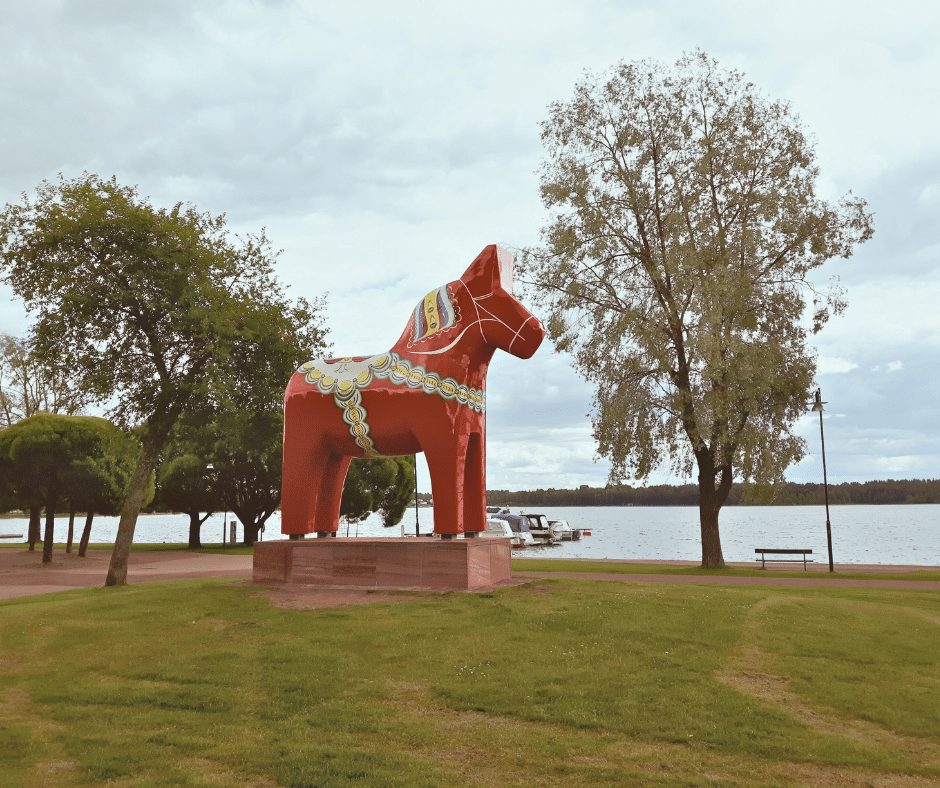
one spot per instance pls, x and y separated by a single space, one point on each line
479 307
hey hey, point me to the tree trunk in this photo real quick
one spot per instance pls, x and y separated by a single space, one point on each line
33 533
86 535
251 533
50 530
712 557
709 505
195 526
153 441
68 542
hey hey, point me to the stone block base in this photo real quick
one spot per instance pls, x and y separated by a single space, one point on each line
388 563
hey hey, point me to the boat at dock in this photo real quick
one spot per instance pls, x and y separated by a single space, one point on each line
518 525
502 528
564 532
540 529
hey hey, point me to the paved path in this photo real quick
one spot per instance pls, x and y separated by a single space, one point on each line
22 572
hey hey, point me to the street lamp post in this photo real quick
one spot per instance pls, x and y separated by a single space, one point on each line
818 408
417 527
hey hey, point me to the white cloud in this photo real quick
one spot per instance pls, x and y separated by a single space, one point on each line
827 365
894 366
383 146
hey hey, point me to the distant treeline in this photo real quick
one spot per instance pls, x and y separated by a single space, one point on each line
890 491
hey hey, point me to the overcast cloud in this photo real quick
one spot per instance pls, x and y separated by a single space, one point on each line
383 145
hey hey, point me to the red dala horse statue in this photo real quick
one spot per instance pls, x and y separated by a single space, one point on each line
426 394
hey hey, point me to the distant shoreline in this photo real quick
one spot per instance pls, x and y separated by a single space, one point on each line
872 493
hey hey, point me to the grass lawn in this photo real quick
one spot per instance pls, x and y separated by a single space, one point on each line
624 568
556 683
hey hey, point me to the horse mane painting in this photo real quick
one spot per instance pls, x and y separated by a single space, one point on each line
428 393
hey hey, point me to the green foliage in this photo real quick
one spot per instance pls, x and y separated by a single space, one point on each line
399 495
366 484
885 491
373 485
48 458
612 495
186 486
560 683
246 448
98 483
675 270
158 311
158 308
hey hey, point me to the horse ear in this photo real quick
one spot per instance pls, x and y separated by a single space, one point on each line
505 261
492 269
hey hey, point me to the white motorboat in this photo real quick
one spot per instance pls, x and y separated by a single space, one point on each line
518 526
502 528
515 529
560 530
539 528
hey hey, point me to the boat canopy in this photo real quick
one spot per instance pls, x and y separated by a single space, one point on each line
517 522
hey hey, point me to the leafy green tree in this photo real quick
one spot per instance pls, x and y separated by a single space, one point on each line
153 310
378 485
186 485
38 455
247 451
400 493
98 484
244 447
676 271
365 486
242 437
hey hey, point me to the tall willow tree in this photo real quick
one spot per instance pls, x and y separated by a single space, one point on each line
157 312
676 271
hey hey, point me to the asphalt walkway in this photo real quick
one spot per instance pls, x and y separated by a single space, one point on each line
23 574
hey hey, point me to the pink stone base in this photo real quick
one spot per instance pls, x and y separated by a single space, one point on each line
477 564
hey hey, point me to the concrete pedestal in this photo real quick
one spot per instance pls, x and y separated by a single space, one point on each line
401 563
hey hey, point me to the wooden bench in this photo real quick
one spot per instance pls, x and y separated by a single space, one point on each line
764 560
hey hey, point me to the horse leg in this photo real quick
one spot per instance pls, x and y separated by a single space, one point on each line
446 463
331 494
303 469
474 487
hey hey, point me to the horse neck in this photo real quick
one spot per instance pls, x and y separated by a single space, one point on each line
462 353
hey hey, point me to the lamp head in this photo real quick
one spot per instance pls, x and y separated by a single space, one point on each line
818 404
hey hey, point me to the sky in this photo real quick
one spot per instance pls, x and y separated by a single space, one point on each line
383 145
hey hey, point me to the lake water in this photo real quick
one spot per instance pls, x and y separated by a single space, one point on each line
907 534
